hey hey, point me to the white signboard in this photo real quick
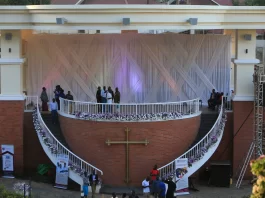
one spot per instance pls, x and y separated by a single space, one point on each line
181 179
62 172
7 152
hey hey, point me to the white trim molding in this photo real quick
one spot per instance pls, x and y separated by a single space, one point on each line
246 61
243 98
11 61
12 97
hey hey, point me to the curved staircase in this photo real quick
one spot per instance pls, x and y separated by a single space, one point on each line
204 146
201 152
53 147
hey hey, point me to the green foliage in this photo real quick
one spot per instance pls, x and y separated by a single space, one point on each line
6 194
254 2
235 2
258 169
24 2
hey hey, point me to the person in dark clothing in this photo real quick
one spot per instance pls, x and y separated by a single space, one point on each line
117 96
57 95
162 188
70 97
133 195
211 101
171 188
98 97
155 187
93 179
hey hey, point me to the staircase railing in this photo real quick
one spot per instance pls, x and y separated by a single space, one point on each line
76 164
202 151
183 109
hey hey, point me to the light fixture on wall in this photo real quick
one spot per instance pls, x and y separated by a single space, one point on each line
193 21
246 51
126 21
61 21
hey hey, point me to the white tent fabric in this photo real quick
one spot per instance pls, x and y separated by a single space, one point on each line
145 68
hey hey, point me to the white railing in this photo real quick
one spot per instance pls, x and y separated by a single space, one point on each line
30 103
202 151
228 103
76 164
183 108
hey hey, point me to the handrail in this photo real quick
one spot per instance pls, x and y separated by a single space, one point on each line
63 149
189 107
170 167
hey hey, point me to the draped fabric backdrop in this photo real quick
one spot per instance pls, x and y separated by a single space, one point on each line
145 68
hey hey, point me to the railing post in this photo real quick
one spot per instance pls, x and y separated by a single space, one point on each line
68 107
136 109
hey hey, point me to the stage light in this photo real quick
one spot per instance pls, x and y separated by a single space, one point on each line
193 21
60 21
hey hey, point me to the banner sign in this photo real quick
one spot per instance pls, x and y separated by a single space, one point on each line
7 160
62 172
182 181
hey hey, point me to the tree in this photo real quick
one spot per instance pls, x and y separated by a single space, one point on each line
24 2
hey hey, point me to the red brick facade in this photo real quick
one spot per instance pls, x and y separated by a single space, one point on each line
168 139
33 152
11 130
244 136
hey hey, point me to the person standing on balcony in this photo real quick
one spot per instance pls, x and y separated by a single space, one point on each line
98 97
103 98
93 179
117 98
70 97
109 99
54 108
44 99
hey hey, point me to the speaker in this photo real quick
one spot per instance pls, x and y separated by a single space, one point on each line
247 37
126 21
8 36
220 174
193 21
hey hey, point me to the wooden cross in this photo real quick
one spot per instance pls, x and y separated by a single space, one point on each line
127 142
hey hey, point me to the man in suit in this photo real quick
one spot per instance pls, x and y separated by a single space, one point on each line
93 179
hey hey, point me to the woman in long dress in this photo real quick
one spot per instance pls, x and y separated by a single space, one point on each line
44 99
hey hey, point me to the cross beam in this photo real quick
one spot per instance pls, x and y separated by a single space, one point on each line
127 143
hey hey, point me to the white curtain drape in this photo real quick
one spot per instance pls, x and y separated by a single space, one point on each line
145 68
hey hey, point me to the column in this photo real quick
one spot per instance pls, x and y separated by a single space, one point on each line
11 97
245 59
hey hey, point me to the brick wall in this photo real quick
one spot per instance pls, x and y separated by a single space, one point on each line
11 129
168 139
244 137
33 152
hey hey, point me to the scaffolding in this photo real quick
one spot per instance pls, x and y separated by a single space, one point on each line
258 80
256 146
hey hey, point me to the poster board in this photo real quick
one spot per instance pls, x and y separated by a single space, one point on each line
62 172
182 181
7 153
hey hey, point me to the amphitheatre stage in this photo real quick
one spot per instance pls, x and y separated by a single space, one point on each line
165 81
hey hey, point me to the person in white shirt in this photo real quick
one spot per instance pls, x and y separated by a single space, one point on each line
54 107
146 187
103 98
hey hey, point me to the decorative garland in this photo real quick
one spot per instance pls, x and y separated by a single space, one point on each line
128 117
49 142
212 140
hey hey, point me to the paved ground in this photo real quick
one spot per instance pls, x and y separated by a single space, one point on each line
41 190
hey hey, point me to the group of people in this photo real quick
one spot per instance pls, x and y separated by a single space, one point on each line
55 104
215 99
153 185
90 180
107 96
